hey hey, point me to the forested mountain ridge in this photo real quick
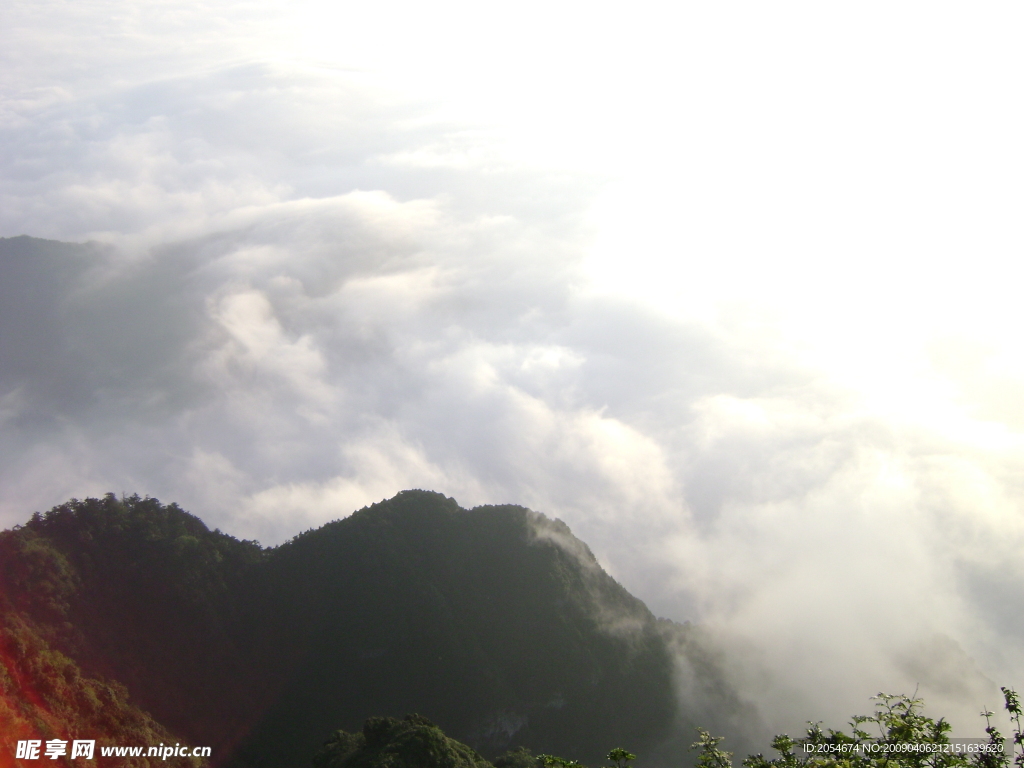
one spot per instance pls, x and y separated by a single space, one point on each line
44 692
495 622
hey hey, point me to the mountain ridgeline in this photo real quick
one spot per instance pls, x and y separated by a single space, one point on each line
495 622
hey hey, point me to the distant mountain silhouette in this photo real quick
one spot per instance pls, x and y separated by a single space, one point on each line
495 622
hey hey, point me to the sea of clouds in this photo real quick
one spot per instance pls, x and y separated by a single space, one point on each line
731 291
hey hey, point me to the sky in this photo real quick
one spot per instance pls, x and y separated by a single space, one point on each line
730 288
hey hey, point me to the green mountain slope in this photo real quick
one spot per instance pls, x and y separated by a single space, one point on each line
44 694
495 622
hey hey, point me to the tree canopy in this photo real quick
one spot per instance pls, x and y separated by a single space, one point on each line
897 735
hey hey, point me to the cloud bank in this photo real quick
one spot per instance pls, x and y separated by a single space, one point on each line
725 292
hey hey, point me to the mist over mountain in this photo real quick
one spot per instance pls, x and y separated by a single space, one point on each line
301 360
494 622
729 288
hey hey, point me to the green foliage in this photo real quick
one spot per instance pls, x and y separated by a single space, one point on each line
710 756
896 735
387 742
44 695
521 757
551 761
1012 704
415 742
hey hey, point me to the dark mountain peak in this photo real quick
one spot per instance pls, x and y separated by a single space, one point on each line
131 516
414 502
120 546
26 246
505 546
496 622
